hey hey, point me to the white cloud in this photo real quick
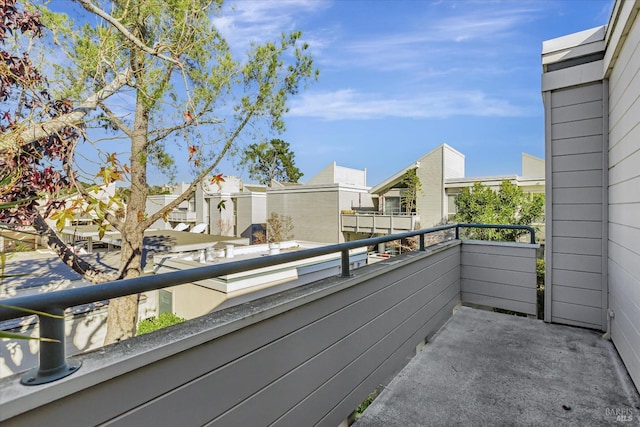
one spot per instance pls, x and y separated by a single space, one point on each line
249 21
349 104
476 32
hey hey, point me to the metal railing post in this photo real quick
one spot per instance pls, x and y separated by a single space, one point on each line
53 364
422 242
345 264
457 232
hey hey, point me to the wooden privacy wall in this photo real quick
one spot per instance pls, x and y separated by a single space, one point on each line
303 357
501 275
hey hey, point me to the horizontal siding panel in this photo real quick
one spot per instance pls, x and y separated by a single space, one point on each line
578 95
500 262
271 362
624 108
624 192
627 237
506 277
581 145
577 179
625 289
577 162
581 313
625 214
498 290
622 146
588 297
379 337
577 279
577 245
627 169
576 129
505 304
498 249
622 104
624 195
626 339
586 229
627 64
570 113
309 409
577 195
586 263
621 257
577 212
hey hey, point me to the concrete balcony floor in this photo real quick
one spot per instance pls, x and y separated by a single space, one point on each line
485 368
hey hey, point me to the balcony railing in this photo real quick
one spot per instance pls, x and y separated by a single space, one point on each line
379 223
304 356
177 215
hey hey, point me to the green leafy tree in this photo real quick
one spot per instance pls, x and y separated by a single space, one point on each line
508 205
271 161
409 195
179 86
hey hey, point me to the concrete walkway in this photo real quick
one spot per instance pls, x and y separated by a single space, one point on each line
485 368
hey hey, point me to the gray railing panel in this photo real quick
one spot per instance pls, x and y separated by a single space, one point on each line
369 345
501 275
190 386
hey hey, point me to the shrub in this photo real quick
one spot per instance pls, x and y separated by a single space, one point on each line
154 323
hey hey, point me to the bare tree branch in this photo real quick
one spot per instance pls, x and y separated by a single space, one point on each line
133 39
38 131
192 188
73 261
121 125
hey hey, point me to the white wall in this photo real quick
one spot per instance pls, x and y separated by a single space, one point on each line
624 192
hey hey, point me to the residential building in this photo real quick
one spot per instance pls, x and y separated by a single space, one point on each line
442 176
228 208
231 207
591 93
316 207
184 213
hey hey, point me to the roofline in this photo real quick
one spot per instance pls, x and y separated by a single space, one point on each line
394 178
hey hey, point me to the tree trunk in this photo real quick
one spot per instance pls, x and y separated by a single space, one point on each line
122 314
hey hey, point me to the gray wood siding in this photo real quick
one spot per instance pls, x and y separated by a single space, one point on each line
575 258
314 211
307 356
624 202
499 275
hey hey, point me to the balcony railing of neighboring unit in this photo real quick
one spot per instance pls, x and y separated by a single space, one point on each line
53 364
182 216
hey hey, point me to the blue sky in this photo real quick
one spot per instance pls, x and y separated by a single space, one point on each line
398 78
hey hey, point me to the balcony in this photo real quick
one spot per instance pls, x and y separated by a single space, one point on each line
311 354
181 215
379 223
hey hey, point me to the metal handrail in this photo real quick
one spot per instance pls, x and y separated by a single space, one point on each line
52 361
